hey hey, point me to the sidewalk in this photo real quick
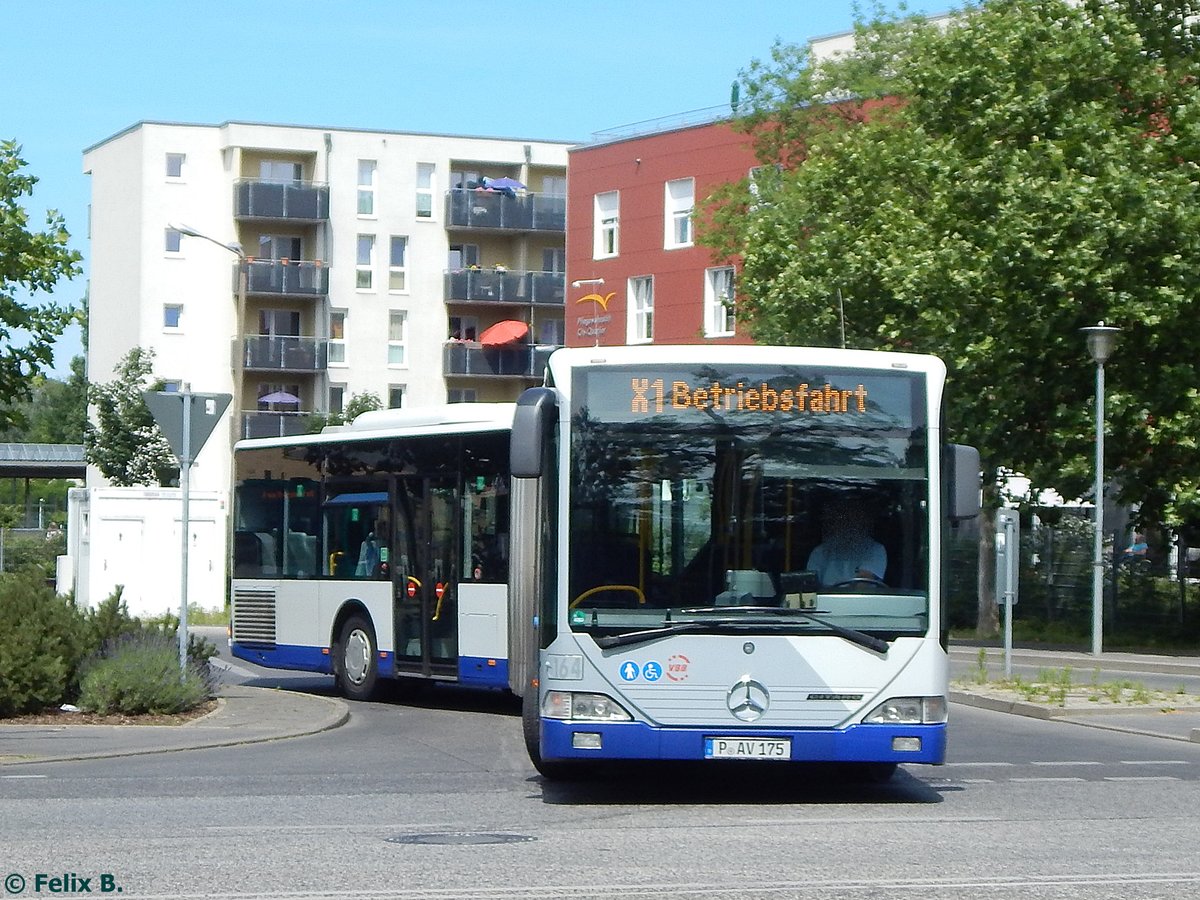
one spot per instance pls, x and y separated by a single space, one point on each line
1173 716
244 715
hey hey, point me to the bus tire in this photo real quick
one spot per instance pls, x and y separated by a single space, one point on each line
357 659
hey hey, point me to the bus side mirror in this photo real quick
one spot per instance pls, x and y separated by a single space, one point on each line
533 422
964 482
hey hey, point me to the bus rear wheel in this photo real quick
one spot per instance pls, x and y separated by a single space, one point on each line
357 659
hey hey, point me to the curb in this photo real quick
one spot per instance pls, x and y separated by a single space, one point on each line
1088 718
338 715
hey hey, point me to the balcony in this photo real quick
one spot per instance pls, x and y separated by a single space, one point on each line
294 201
513 360
259 424
284 353
499 286
505 212
287 277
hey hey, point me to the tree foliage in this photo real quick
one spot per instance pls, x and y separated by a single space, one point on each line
56 412
30 261
982 191
125 442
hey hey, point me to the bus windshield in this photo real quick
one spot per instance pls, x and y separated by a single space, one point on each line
704 494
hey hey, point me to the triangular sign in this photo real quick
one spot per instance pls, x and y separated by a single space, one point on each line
167 409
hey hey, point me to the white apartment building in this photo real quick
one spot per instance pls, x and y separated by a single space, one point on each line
353 261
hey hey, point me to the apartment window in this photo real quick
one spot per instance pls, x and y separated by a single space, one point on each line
554 184
425 187
172 316
460 395
464 180
463 256
280 171
396 396
464 328
554 259
641 310
337 337
679 198
552 331
172 386
279 246
718 301
606 218
337 399
398 338
366 187
365 262
398 264
175 163
173 241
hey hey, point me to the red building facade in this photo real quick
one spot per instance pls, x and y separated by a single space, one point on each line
634 272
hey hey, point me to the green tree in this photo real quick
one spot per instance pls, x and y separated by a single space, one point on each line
30 261
125 442
982 191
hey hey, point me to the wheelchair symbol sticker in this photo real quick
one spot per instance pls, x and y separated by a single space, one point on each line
652 671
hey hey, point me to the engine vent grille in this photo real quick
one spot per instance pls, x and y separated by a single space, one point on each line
254 616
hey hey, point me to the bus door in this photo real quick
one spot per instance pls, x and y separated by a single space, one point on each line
424 575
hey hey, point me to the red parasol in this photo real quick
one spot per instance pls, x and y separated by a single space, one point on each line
503 333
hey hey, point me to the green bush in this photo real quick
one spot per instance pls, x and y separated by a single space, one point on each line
140 673
42 641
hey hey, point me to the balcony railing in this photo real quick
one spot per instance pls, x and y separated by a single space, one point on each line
299 201
516 360
300 277
504 286
496 209
284 353
259 424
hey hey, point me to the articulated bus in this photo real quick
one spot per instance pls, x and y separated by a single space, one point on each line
673 509
645 550
378 549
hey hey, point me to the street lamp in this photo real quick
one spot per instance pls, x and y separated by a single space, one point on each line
243 276
1101 340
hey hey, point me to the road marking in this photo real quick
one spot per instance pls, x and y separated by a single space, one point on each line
1155 762
979 764
1140 778
23 776
1066 762
1045 779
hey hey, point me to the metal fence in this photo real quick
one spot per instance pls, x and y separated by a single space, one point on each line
1148 601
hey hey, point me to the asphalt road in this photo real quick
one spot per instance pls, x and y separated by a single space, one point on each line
433 797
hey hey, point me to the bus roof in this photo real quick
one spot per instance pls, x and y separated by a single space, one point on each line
450 418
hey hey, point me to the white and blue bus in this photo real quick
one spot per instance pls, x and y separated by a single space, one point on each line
668 505
378 549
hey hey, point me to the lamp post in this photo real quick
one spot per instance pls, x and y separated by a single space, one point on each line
1101 340
239 354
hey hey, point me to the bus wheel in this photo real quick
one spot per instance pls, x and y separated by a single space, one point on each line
872 773
357 661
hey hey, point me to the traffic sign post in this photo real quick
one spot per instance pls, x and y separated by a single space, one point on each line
186 420
1008 557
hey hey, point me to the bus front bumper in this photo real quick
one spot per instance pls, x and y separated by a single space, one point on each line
568 740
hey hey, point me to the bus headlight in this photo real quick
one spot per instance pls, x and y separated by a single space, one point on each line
582 707
908 711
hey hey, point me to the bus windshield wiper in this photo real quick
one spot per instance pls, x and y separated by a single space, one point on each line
740 622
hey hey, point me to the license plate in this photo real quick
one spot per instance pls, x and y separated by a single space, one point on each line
747 748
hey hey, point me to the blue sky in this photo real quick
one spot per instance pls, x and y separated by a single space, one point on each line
75 73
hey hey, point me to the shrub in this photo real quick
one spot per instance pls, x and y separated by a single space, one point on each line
140 673
42 641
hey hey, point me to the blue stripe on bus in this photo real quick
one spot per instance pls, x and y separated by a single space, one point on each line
483 671
285 656
637 740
